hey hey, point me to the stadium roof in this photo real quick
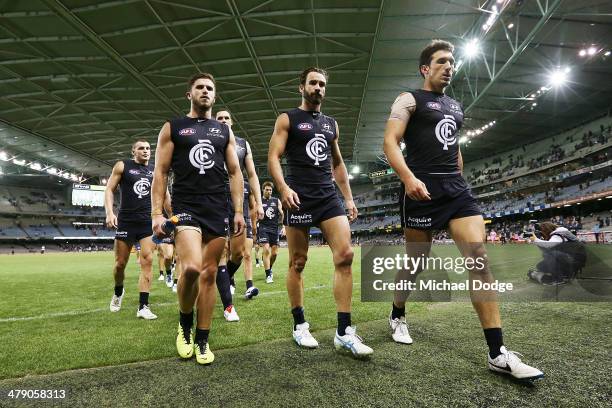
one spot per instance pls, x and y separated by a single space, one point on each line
81 79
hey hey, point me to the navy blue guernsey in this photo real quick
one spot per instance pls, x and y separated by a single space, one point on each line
135 188
241 151
431 136
198 160
308 149
271 217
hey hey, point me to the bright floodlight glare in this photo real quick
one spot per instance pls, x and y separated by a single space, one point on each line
592 51
355 170
103 181
558 77
351 177
35 166
463 139
52 170
4 156
510 26
471 49
19 162
607 53
582 52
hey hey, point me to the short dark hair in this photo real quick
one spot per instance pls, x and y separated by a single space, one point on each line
139 140
308 70
430 50
266 184
200 75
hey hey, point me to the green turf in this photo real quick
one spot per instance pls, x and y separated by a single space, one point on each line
64 299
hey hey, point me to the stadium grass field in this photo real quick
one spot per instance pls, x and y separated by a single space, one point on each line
57 333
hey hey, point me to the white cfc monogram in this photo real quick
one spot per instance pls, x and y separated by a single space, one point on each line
142 187
315 148
445 131
201 155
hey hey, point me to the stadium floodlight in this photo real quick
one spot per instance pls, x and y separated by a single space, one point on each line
355 169
592 50
52 170
510 26
74 177
463 139
19 162
471 48
534 104
35 166
4 156
607 53
103 181
559 77
582 53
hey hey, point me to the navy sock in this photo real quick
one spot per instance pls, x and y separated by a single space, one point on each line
118 290
298 316
232 268
168 272
397 312
268 272
223 285
344 321
175 281
144 299
201 336
249 284
161 272
495 340
186 319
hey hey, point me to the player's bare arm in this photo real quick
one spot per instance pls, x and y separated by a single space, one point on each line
278 143
159 189
341 177
111 186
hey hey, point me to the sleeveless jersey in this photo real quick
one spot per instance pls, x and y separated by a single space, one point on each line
431 136
308 150
271 214
198 160
135 188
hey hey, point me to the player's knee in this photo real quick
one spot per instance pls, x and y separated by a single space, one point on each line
479 260
120 264
191 272
298 262
208 275
344 257
246 256
146 258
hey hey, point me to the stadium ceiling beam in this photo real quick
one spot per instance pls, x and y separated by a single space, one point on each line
517 51
61 10
251 49
314 33
365 83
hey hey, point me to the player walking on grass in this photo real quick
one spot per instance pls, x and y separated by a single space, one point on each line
309 140
198 149
268 229
435 195
240 246
133 177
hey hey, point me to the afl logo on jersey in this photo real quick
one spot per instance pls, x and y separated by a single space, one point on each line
142 187
434 106
201 154
315 148
445 131
187 131
270 212
304 126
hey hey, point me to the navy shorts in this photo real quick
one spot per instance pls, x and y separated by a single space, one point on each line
267 236
132 231
245 213
317 204
451 198
206 212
